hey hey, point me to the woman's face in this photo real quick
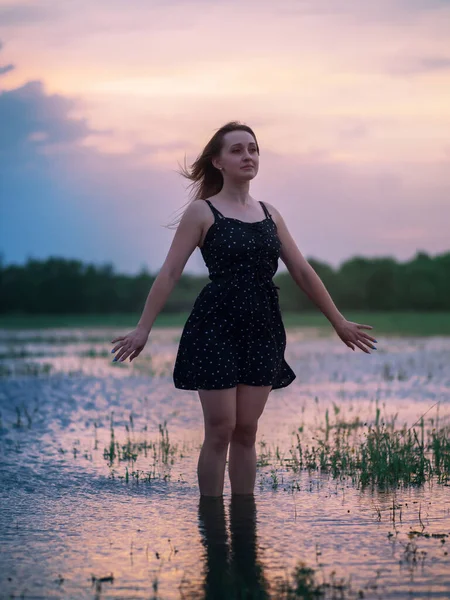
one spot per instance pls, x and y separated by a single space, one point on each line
238 151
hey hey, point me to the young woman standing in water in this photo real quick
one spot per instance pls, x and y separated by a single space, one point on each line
232 346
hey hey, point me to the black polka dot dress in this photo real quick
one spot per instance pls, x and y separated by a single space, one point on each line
235 333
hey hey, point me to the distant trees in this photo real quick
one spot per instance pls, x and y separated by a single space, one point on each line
383 284
62 286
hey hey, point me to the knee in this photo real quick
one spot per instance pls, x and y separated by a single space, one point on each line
245 434
219 435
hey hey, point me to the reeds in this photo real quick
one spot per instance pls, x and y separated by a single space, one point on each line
162 452
384 456
370 454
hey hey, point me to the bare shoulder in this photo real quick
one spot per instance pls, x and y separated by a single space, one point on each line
290 254
196 207
276 215
188 235
200 216
196 212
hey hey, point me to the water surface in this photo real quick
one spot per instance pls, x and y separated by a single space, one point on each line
98 475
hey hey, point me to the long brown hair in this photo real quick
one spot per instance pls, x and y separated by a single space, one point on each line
206 180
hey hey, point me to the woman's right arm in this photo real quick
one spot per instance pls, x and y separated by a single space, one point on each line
186 239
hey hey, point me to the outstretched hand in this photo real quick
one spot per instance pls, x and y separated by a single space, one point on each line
131 344
351 334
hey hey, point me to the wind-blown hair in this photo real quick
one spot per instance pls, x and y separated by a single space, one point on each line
206 180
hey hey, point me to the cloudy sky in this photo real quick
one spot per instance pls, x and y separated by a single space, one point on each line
100 102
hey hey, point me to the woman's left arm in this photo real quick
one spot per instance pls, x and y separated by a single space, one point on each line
307 279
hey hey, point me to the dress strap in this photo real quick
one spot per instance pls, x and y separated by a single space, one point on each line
216 213
266 212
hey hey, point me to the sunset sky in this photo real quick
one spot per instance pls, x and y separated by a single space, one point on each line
100 101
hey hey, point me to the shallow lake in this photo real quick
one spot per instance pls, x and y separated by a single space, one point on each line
99 494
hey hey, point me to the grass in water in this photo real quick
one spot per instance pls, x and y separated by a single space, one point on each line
384 456
161 451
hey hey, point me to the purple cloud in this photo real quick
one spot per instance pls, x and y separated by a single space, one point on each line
30 118
418 66
6 69
12 15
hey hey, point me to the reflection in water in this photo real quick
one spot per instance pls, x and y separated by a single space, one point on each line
234 573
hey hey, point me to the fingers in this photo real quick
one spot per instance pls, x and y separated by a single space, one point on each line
131 354
127 351
359 338
118 347
135 353
363 348
367 343
360 344
121 355
123 347
367 336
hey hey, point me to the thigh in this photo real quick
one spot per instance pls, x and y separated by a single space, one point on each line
250 403
219 407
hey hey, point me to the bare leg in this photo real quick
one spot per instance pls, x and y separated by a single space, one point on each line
250 403
219 412
211 468
242 467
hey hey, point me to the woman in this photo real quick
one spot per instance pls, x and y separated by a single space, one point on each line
232 346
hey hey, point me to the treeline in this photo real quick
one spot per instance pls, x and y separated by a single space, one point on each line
62 286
